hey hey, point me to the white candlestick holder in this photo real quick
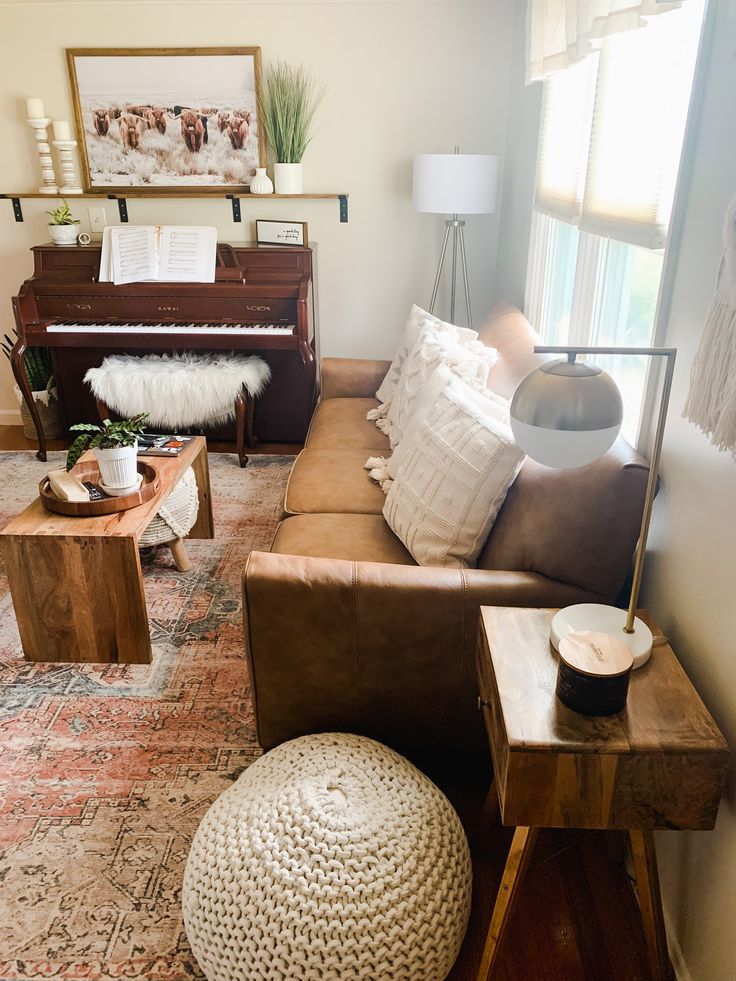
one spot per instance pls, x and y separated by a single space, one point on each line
69 181
44 155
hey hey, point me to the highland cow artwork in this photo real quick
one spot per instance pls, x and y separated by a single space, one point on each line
161 119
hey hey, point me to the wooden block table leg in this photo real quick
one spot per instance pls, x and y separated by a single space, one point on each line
516 864
204 526
650 901
78 599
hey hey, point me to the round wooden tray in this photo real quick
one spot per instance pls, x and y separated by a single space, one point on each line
109 505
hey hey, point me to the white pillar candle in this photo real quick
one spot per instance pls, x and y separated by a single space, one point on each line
61 130
35 108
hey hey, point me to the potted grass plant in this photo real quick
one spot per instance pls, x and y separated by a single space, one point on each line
286 106
115 445
40 374
63 225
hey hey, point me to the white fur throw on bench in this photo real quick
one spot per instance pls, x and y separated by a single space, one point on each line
180 390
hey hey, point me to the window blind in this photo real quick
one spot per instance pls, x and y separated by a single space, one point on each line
612 131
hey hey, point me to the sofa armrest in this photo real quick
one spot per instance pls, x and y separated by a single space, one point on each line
351 378
383 650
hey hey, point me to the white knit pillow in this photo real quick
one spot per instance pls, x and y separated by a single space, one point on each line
479 395
418 320
453 479
466 357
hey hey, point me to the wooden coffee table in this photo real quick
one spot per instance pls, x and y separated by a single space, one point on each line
76 583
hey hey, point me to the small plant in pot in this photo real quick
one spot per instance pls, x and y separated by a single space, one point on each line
116 448
287 105
63 225
39 371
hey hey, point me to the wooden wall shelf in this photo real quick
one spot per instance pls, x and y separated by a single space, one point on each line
121 197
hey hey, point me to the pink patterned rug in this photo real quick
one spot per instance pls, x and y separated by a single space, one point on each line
106 771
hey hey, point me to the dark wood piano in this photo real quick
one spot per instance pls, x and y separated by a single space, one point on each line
262 301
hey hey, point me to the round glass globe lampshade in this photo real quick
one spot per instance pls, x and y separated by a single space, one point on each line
565 414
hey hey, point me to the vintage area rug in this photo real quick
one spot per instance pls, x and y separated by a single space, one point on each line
106 770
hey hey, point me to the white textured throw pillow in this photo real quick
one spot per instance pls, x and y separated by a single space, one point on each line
452 481
466 357
418 320
479 395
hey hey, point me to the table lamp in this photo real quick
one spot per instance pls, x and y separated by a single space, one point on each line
455 184
566 413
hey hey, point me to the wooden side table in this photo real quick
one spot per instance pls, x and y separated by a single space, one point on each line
77 583
660 763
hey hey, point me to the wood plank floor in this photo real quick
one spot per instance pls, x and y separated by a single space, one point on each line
577 918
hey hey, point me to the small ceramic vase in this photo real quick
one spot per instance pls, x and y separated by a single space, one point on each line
261 183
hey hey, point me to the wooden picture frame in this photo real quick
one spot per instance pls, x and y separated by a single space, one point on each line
279 232
187 123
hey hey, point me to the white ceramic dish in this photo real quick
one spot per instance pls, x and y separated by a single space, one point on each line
121 491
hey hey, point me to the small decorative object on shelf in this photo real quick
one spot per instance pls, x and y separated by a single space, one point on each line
281 232
40 374
116 448
63 225
287 105
38 123
65 145
261 183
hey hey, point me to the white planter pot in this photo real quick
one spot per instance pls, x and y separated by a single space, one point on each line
261 183
288 178
118 466
64 234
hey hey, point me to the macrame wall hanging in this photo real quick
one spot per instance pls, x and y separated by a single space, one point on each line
711 400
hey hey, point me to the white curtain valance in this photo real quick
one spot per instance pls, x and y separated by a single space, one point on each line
562 32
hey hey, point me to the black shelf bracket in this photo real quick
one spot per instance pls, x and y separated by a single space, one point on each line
235 202
343 207
122 207
17 210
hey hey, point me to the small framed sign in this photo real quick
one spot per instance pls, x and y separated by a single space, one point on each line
281 232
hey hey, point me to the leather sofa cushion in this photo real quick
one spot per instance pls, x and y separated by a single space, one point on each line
325 481
340 424
507 329
577 526
355 537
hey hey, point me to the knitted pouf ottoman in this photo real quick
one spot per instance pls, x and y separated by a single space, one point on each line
330 858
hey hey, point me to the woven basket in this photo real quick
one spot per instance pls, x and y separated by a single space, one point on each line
177 514
48 409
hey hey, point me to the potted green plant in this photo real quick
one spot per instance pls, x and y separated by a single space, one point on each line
287 104
39 371
116 448
63 225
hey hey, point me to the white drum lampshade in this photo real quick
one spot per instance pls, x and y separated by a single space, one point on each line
455 183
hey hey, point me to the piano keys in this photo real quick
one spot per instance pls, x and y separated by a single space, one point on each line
262 300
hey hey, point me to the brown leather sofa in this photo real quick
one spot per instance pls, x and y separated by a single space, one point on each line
345 632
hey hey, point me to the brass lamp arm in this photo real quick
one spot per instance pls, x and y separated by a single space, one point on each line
669 353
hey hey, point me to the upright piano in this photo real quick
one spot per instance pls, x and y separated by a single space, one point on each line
262 301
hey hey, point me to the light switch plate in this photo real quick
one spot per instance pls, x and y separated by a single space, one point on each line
97 221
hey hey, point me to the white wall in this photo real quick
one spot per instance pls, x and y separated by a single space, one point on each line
690 578
402 77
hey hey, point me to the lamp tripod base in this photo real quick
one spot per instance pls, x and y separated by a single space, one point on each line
608 620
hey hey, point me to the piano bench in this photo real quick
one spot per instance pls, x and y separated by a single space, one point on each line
126 385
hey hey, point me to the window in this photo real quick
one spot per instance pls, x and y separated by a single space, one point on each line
610 143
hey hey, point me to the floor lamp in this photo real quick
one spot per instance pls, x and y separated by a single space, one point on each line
455 184
566 413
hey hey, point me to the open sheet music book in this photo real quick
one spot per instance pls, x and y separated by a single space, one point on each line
158 253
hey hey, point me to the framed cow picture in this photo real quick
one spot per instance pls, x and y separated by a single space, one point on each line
167 119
